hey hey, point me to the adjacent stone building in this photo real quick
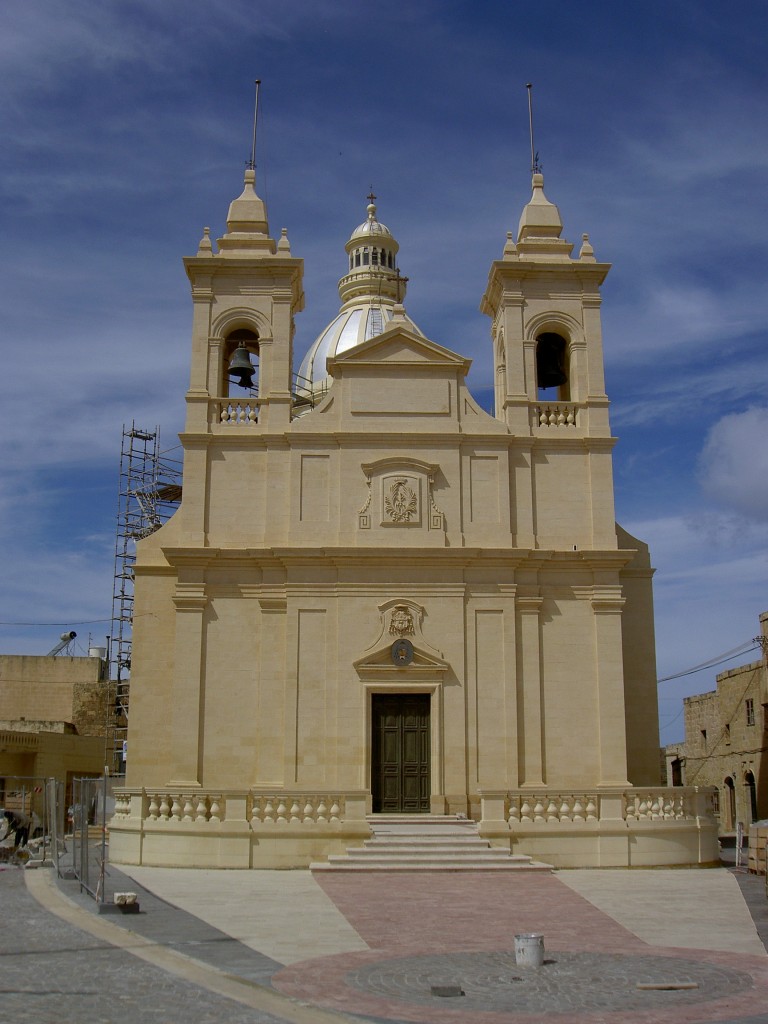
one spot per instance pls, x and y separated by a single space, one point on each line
378 598
53 715
726 736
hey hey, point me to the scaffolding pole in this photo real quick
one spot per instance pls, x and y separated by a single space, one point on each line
148 495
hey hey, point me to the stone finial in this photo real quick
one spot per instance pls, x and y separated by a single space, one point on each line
540 218
284 245
510 249
205 246
586 252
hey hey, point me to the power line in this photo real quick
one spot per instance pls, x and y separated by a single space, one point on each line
69 622
719 659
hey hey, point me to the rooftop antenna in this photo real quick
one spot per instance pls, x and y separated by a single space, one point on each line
535 165
252 161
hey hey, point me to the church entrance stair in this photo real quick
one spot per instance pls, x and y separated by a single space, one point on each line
426 842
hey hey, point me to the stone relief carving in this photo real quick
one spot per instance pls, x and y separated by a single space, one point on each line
401 504
401 621
402 498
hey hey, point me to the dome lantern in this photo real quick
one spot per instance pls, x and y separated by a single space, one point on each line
369 293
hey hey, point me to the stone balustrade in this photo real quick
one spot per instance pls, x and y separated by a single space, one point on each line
672 803
275 828
236 411
295 808
277 807
555 414
676 803
563 807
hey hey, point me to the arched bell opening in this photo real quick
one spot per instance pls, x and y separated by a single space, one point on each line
552 366
240 369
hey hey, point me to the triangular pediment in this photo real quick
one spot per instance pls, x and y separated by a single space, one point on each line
382 658
398 346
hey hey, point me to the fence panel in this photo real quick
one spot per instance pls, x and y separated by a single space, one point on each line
87 816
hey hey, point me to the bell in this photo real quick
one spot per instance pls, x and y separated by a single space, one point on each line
241 367
549 361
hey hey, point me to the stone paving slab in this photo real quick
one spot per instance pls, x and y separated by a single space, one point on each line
285 915
693 908
52 971
445 930
412 931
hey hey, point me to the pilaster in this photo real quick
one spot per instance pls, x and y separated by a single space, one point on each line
529 716
185 716
607 604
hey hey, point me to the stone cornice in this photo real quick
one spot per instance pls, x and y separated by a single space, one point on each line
276 558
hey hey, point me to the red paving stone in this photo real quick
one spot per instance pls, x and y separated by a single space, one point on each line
482 910
420 913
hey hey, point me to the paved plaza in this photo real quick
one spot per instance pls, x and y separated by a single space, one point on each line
259 947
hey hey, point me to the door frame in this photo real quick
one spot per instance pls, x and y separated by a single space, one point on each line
401 706
436 759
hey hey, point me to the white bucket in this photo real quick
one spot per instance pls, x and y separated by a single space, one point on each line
529 950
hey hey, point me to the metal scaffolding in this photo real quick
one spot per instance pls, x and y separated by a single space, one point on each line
149 494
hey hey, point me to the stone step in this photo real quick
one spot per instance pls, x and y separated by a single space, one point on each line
459 842
426 842
418 819
425 852
504 864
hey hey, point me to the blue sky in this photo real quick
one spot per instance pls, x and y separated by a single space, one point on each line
126 127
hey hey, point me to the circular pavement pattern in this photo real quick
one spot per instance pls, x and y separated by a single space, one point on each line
566 982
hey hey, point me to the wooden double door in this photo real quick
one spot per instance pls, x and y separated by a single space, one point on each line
400 782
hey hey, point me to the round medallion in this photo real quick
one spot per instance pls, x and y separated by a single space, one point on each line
402 653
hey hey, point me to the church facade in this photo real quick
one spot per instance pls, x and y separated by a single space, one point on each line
376 597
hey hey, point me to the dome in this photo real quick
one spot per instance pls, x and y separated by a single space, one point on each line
368 292
371 226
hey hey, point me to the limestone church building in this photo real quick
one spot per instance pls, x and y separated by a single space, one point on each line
377 598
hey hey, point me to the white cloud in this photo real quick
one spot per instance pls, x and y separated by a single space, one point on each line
733 467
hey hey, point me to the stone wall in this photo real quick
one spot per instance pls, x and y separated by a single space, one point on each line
725 739
60 689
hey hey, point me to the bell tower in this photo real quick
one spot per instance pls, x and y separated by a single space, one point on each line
245 297
549 385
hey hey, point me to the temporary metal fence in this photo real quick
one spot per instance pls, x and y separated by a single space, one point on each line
87 816
36 798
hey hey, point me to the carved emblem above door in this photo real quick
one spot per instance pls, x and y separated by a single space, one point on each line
400 494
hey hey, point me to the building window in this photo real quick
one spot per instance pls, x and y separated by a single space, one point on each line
716 802
704 737
750 706
727 732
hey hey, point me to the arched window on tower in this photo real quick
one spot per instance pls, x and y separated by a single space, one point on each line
240 365
552 365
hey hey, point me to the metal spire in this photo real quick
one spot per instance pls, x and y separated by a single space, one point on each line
535 165
252 161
